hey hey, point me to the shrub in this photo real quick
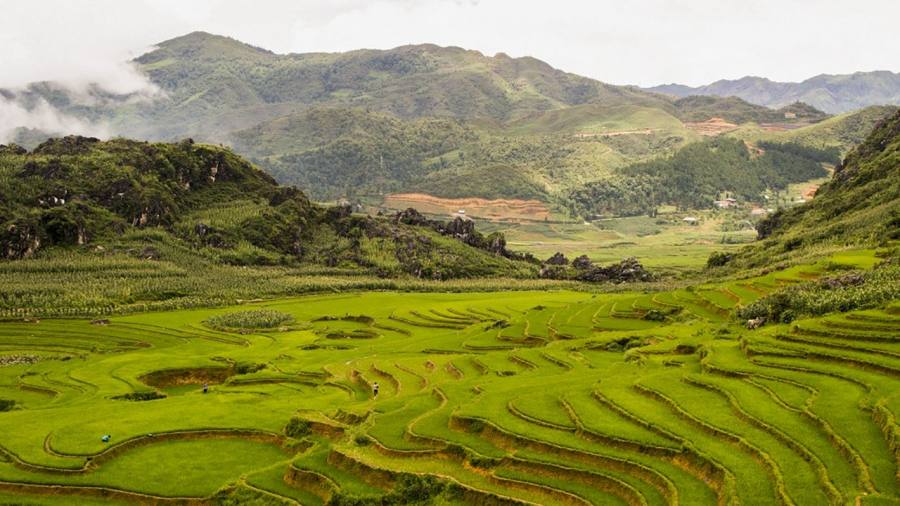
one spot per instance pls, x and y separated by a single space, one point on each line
718 259
248 367
654 315
845 292
483 462
253 319
792 244
415 489
476 426
141 396
297 428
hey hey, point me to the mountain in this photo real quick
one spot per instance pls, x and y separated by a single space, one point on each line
215 84
859 206
439 120
79 194
833 94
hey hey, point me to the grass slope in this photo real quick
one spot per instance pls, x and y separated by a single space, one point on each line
858 206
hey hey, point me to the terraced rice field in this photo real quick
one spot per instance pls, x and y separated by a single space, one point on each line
515 397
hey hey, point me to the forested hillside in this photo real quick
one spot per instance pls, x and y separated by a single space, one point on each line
697 174
137 198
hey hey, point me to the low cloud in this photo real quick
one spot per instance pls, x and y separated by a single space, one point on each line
44 117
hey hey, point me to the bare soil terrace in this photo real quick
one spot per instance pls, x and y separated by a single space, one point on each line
498 209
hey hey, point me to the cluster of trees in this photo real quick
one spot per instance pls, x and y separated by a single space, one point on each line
694 176
618 196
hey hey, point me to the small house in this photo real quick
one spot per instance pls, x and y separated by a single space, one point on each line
725 203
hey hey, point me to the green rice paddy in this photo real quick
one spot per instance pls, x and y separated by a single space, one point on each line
540 397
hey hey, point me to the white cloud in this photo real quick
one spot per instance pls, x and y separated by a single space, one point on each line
43 116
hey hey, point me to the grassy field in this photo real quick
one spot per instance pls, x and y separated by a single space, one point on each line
547 397
664 244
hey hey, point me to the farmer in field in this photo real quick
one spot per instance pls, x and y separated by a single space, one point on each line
375 389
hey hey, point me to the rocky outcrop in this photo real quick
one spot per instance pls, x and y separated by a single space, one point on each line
582 262
12 149
464 231
19 240
842 281
557 259
10 360
211 237
628 270
68 145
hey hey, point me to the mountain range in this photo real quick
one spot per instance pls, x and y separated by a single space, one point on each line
831 93
444 121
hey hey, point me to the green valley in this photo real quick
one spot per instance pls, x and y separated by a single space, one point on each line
423 275
767 378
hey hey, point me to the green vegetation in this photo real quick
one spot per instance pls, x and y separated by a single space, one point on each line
736 110
347 152
858 205
83 200
176 327
844 131
841 292
253 319
338 152
551 397
698 173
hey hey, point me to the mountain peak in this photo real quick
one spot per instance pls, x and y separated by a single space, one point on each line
199 42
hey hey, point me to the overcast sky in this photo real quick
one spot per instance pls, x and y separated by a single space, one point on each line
642 42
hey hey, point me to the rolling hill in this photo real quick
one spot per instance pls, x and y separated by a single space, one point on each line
843 131
831 93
